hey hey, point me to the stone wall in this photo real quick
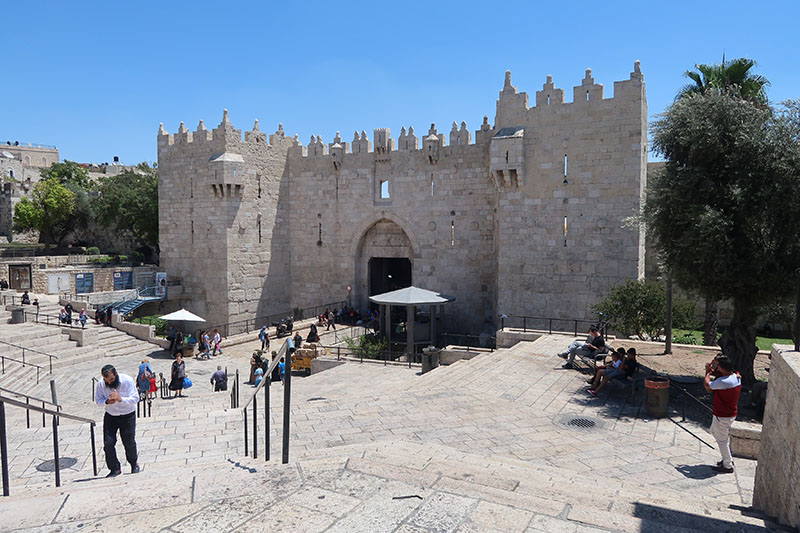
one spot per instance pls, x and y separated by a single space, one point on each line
254 226
777 491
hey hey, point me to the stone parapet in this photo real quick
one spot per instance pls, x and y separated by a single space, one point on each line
777 492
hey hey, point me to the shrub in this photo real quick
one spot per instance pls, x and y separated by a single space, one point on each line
93 250
136 255
639 308
155 320
370 346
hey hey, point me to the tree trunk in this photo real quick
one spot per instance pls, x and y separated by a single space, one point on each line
739 341
710 323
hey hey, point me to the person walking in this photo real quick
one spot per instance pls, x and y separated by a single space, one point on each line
143 378
263 336
117 392
726 385
178 373
219 379
216 340
206 346
82 317
178 344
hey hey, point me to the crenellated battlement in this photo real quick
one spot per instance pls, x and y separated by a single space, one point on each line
224 134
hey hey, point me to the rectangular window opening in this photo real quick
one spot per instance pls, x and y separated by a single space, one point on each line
452 233
384 189
259 231
431 184
259 187
565 165
565 230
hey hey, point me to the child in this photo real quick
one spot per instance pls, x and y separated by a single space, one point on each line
217 340
616 358
608 371
626 369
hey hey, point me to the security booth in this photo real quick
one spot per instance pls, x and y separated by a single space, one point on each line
417 322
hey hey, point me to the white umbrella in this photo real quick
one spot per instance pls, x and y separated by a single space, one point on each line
184 315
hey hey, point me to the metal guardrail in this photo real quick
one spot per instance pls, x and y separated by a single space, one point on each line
254 324
265 385
546 323
57 415
53 320
3 359
27 402
31 350
472 341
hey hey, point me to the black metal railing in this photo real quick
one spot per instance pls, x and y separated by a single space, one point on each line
4 358
254 324
31 350
469 341
144 407
360 354
234 390
53 320
686 395
57 415
28 400
265 385
547 323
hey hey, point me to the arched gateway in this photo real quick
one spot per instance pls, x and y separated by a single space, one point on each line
384 261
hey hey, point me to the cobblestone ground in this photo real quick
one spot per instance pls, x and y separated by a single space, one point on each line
483 445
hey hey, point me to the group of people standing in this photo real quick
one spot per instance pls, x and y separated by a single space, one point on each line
210 340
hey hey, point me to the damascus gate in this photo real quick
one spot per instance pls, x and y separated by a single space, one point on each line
524 215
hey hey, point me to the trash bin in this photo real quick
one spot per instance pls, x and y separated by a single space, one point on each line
656 398
17 315
430 358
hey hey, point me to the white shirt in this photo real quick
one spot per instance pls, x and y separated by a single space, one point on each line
128 394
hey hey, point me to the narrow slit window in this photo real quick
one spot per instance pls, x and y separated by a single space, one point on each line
259 230
259 188
384 189
506 157
587 96
432 186
565 165
565 230
192 231
452 233
548 99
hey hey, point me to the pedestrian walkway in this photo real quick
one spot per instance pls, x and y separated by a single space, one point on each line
490 444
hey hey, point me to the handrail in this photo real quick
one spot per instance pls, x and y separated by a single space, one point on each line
28 397
29 349
692 396
46 411
281 353
550 319
225 329
265 384
56 318
23 363
57 415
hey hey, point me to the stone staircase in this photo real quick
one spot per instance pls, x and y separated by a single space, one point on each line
480 445
49 339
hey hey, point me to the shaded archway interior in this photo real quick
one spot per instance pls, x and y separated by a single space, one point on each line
388 274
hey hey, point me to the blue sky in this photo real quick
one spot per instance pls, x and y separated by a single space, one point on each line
96 78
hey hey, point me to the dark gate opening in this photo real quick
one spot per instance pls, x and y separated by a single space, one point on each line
388 274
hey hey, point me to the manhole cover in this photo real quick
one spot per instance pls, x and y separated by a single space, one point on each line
581 423
584 423
50 464
316 399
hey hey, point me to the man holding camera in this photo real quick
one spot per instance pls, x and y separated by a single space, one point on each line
726 386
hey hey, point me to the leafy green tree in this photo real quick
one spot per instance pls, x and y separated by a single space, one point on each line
369 346
129 202
734 78
638 307
68 172
723 211
49 211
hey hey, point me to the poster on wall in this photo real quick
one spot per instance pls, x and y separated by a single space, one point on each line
161 284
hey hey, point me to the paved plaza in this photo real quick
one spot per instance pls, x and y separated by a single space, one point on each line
480 445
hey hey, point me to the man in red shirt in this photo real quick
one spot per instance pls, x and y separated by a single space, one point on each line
726 385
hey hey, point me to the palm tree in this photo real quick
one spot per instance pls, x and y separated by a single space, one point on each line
732 77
